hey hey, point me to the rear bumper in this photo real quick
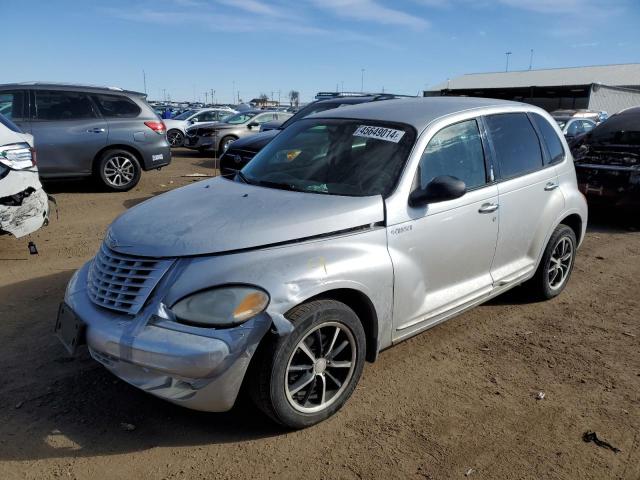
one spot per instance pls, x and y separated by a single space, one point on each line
156 156
197 368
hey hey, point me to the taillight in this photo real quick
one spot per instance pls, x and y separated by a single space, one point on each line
156 126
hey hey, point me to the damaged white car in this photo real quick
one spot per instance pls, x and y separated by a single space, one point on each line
24 206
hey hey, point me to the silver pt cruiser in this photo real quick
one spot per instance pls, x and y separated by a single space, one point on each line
352 230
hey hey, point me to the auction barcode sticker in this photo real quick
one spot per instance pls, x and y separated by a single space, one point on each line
379 133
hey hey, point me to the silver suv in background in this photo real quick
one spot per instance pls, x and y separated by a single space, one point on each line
354 229
84 131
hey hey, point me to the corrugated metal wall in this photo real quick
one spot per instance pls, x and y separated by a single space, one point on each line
612 99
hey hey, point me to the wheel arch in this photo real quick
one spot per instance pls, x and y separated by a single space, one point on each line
363 307
573 221
133 151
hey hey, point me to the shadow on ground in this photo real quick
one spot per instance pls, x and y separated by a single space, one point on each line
55 406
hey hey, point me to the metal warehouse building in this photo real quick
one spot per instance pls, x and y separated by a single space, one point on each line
604 87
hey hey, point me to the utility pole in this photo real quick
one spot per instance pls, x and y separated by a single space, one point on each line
233 93
342 85
164 94
144 79
278 97
213 94
362 80
507 67
531 60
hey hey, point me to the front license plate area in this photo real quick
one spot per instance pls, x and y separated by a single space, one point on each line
70 330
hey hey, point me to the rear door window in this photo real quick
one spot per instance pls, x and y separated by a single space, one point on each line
116 106
12 105
457 151
515 143
550 137
61 105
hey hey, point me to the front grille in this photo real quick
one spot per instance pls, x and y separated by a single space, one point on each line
123 282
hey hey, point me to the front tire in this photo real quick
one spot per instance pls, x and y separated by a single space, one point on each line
307 376
556 265
224 144
175 138
119 170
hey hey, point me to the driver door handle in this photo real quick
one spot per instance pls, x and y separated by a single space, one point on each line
96 130
488 208
550 186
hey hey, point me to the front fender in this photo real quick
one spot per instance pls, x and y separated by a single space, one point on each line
293 273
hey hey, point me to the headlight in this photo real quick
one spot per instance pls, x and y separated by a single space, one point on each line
17 156
221 307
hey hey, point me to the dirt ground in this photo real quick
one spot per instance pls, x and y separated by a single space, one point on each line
457 400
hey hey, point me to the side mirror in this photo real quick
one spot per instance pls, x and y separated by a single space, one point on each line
439 189
252 124
193 120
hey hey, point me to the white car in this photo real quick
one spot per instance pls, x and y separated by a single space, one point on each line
24 206
176 126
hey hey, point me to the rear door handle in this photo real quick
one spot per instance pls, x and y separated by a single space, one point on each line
96 130
488 208
550 186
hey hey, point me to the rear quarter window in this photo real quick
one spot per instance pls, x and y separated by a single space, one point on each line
550 137
116 106
515 143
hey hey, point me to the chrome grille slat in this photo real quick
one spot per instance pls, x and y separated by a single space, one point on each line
123 282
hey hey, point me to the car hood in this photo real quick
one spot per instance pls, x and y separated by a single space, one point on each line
254 143
219 215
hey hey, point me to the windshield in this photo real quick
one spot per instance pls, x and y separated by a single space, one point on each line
239 118
185 115
561 121
333 156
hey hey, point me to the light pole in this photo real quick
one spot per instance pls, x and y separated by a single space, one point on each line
531 60
507 67
362 80
233 93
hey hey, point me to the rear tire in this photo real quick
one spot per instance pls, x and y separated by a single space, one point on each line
291 388
118 170
175 138
556 264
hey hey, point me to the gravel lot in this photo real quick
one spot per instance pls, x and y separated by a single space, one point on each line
458 399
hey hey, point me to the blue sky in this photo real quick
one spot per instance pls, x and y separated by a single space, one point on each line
190 46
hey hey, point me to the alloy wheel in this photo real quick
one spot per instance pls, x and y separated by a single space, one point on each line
119 171
175 138
560 263
320 367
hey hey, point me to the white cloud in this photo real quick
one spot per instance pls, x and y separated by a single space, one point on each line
371 11
253 6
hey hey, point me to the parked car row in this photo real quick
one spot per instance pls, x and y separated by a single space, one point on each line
109 134
346 234
217 136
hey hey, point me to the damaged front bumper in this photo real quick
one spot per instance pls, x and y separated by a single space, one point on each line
198 368
24 205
